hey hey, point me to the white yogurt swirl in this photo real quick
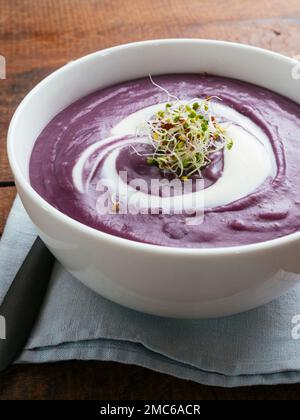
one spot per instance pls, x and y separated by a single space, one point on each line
246 166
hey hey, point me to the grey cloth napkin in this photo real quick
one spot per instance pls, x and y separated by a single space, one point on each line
256 347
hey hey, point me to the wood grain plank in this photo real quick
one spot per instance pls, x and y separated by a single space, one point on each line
38 37
7 195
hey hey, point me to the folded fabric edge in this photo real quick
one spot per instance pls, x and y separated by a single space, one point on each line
137 354
86 339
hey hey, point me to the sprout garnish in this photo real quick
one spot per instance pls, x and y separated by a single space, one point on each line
184 136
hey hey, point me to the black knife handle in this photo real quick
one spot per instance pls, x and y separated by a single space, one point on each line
22 303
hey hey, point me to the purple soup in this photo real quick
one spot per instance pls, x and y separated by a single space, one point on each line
250 193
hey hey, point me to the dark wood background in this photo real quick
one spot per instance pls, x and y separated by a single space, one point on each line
38 36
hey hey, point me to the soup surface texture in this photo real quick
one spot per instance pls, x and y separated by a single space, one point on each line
250 193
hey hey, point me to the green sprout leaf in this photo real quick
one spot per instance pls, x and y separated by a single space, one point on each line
184 136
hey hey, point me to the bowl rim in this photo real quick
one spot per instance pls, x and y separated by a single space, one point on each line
117 240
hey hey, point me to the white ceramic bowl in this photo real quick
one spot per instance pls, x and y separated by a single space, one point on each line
159 280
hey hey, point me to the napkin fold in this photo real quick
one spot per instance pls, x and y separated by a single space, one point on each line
256 347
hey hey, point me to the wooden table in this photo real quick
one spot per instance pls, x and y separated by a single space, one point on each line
38 36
